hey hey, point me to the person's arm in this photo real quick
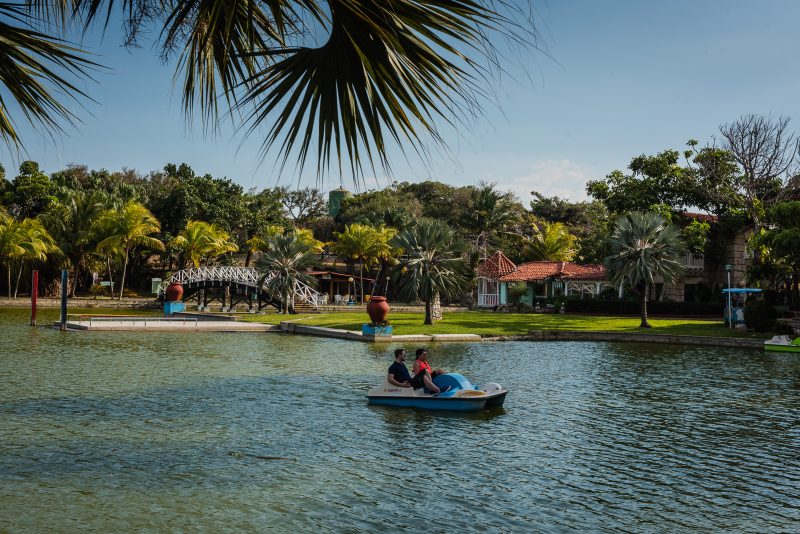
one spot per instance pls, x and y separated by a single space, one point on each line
397 383
415 367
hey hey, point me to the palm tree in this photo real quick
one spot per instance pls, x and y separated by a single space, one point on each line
129 227
432 264
10 239
37 244
284 261
550 242
202 240
357 243
385 73
643 246
73 224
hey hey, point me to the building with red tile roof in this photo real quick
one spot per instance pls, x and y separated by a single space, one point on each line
546 280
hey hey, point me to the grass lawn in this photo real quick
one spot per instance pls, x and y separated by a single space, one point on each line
508 324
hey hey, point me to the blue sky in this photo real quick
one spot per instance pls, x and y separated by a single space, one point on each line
624 78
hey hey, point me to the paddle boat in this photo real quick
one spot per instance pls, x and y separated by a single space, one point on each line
457 394
782 344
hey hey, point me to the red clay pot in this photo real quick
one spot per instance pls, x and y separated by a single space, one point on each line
174 292
378 309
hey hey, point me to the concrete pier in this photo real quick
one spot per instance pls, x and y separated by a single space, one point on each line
163 324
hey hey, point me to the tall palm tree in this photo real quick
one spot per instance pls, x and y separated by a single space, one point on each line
37 244
129 227
550 242
432 264
643 246
284 261
385 73
202 240
10 243
358 242
73 224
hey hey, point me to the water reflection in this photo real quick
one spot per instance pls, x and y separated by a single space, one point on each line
128 432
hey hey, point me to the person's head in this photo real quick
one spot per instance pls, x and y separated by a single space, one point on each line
422 354
400 355
437 372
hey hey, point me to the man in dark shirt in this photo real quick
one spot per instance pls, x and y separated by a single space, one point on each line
399 375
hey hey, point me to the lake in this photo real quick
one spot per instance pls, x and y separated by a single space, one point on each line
249 432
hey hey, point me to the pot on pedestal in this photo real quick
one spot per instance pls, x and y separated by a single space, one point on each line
174 292
378 309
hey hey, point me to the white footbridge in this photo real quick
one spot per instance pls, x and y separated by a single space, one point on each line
240 277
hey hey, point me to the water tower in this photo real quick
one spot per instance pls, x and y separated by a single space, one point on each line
335 199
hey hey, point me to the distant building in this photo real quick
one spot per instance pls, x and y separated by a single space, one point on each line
545 280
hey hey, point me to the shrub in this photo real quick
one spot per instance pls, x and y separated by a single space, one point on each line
627 307
760 316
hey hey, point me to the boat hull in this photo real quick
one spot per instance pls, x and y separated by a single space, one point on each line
782 348
496 400
432 403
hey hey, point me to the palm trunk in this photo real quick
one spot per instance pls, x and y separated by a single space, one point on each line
248 258
19 275
361 276
110 277
428 315
644 324
9 279
436 307
124 272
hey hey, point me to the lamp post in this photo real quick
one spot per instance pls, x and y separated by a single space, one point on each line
728 269
386 289
350 283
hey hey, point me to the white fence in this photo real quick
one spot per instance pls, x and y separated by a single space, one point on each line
488 301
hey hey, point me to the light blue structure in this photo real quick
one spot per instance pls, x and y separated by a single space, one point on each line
173 307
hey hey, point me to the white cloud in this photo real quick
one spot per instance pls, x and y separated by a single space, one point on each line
562 177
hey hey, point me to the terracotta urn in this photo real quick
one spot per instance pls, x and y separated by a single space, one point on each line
174 292
378 309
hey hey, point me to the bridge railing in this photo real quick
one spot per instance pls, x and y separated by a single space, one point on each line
241 275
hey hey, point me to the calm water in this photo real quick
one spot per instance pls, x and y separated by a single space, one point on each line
119 431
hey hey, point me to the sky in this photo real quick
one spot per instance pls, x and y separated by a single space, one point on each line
618 79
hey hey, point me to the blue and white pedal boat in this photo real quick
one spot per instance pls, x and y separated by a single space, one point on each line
457 395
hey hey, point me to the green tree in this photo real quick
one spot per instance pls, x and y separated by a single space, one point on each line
490 213
73 223
432 264
36 243
31 192
365 244
202 241
587 221
21 241
658 179
129 227
643 246
782 240
550 242
286 260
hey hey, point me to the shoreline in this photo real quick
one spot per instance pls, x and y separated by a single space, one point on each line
83 303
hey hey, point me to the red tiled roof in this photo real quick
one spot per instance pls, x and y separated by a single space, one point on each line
705 217
496 266
542 270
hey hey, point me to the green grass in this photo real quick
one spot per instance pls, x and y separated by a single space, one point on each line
509 324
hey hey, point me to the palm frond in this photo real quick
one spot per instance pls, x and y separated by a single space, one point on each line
36 72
